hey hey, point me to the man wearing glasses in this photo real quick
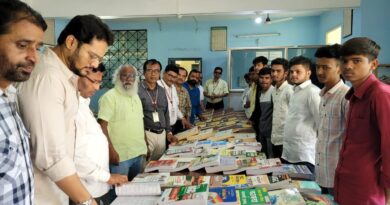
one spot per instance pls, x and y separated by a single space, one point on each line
49 104
175 115
215 89
156 111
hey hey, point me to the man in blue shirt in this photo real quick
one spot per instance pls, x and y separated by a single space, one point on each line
194 93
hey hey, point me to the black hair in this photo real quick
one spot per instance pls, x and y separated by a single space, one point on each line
218 68
260 59
171 67
265 71
181 68
280 61
300 60
246 76
151 62
193 71
332 51
85 28
13 11
251 69
360 46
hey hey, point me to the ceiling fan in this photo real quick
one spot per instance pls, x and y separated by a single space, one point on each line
268 20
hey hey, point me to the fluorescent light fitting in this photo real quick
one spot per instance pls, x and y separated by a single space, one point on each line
257 35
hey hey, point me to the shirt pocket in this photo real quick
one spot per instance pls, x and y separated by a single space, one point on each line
358 130
11 164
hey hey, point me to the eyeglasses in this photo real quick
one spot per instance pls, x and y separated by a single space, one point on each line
96 82
128 76
93 56
152 71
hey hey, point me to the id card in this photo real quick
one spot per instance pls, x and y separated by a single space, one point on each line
155 117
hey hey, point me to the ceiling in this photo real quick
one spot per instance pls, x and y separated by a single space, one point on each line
136 10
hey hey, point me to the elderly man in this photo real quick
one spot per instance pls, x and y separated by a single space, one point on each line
21 35
156 111
91 157
175 115
121 119
48 104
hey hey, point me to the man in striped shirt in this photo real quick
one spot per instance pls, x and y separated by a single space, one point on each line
333 109
21 35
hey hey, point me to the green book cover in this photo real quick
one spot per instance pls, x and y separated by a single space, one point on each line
257 196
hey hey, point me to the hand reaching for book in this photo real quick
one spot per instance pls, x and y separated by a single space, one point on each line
117 179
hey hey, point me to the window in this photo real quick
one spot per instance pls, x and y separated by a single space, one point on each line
333 36
129 47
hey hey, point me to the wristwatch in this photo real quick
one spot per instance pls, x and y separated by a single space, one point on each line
87 202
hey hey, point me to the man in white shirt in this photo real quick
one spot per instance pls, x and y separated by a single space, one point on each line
300 131
91 152
262 115
175 115
199 85
281 98
49 102
215 90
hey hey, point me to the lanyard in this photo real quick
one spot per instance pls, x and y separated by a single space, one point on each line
215 86
169 95
154 102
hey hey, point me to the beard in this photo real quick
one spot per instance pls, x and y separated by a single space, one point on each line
72 59
192 82
126 89
14 72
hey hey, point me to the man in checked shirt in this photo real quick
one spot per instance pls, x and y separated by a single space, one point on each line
21 35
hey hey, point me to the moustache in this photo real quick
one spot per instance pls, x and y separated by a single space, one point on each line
26 64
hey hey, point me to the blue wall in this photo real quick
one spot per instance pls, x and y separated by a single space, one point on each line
180 38
375 24
332 19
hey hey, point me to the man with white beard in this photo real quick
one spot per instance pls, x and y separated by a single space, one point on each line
121 118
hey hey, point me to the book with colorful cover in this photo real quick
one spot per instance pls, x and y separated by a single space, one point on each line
181 165
222 196
239 181
187 195
175 181
286 197
244 164
160 178
204 161
255 196
317 199
160 164
265 166
226 164
179 151
295 171
270 182
307 186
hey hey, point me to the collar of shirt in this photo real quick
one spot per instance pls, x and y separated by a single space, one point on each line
302 85
361 90
9 90
73 78
146 87
284 84
333 89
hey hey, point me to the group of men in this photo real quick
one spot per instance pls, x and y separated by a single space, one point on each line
75 158
339 133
